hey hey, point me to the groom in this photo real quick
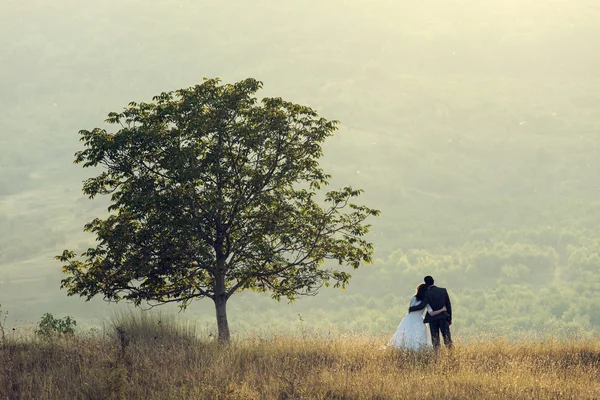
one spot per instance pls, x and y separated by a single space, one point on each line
437 298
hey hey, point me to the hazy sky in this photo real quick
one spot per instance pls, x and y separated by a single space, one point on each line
433 96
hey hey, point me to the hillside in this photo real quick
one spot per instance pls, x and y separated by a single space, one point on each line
474 128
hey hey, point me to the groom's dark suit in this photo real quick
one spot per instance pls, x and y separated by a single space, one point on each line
437 298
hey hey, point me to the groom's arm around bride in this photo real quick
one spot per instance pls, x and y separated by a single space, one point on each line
437 298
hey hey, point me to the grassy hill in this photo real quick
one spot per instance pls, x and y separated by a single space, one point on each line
474 128
142 358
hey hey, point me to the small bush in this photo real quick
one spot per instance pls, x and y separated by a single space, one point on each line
50 327
149 327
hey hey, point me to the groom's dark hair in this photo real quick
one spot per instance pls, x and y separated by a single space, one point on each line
428 280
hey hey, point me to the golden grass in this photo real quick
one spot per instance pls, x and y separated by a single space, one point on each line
142 359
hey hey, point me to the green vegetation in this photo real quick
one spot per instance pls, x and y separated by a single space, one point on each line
473 127
214 193
50 327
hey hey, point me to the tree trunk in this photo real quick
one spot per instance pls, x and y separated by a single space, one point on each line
221 308
222 324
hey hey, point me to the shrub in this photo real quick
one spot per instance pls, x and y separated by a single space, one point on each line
50 327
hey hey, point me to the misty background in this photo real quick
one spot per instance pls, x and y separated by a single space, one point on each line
473 127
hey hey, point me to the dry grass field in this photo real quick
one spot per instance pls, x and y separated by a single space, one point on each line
142 358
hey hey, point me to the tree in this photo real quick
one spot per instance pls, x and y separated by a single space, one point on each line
213 193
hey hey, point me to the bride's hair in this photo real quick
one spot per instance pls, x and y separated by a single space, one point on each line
421 289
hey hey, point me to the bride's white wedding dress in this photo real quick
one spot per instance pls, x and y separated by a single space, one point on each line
412 333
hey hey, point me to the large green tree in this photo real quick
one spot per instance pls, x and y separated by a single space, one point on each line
212 193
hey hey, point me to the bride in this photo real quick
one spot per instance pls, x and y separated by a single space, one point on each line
412 333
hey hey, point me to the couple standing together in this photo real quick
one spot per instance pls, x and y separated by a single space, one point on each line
412 333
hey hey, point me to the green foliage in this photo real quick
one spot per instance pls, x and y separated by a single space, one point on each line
50 327
214 193
472 126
